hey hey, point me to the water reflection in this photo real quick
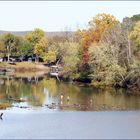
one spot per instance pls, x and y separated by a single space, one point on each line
46 92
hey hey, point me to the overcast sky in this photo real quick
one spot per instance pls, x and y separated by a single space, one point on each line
60 15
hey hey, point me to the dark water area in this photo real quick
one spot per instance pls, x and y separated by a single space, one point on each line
46 93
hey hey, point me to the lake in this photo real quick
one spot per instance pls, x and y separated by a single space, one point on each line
41 92
39 106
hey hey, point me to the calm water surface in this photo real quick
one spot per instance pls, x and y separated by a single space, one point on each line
49 94
44 107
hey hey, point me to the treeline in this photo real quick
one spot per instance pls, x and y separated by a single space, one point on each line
108 51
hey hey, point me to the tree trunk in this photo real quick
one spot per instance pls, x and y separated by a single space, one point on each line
8 48
129 49
8 56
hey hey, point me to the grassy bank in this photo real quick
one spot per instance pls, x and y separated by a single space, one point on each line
25 66
4 106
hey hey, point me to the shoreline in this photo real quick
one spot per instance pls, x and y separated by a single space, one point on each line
24 66
40 69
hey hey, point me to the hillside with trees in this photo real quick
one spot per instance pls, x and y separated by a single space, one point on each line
107 53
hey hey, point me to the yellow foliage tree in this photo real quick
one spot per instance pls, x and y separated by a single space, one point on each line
2 49
50 56
135 34
41 47
103 21
35 36
42 50
97 28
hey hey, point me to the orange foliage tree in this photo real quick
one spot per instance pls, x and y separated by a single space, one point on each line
97 28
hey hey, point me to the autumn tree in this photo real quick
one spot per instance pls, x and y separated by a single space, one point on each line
2 49
135 37
59 48
128 24
41 48
104 64
50 56
33 37
97 28
118 37
100 23
135 34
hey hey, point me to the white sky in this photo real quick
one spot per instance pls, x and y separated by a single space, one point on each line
57 15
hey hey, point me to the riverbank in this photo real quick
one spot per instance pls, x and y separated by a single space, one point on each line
70 125
25 69
24 66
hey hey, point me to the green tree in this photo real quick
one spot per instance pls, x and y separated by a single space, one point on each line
11 43
70 59
136 17
34 37
104 63
26 48
2 49
135 34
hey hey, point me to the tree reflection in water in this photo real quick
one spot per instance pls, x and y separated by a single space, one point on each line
40 91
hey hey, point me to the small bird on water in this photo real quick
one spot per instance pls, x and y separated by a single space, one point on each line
1 116
91 101
68 98
61 96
